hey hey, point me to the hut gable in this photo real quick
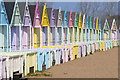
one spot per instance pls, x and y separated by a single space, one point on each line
65 19
97 24
3 14
84 22
45 20
71 19
87 24
26 17
58 17
56 11
51 17
91 22
80 20
94 23
100 26
37 22
16 18
76 20
114 26
106 25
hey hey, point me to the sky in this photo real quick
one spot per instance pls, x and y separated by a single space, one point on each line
75 7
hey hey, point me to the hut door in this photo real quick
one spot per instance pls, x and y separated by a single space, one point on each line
36 37
3 36
45 36
79 35
61 59
15 38
70 31
84 34
25 37
65 35
59 30
52 30
44 65
76 36
53 58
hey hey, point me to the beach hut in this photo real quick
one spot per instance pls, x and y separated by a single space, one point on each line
84 28
114 33
15 22
13 65
27 25
106 30
97 33
36 29
106 34
94 29
45 25
87 28
100 30
25 63
80 16
59 34
71 27
91 28
65 27
75 37
118 35
43 59
100 34
53 29
4 29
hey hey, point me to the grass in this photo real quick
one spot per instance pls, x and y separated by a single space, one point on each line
38 74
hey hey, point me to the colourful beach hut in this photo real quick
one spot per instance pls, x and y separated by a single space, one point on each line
27 26
53 29
75 37
65 27
84 28
45 25
94 28
71 27
88 30
100 30
91 28
36 29
106 34
59 35
114 31
106 31
4 29
80 20
15 25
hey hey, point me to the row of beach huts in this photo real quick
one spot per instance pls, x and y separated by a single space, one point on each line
35 38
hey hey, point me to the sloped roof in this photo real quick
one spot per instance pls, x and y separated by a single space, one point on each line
114 26
84 22
106 25
49 10
56 15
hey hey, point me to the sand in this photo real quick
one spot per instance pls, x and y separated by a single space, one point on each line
98 65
